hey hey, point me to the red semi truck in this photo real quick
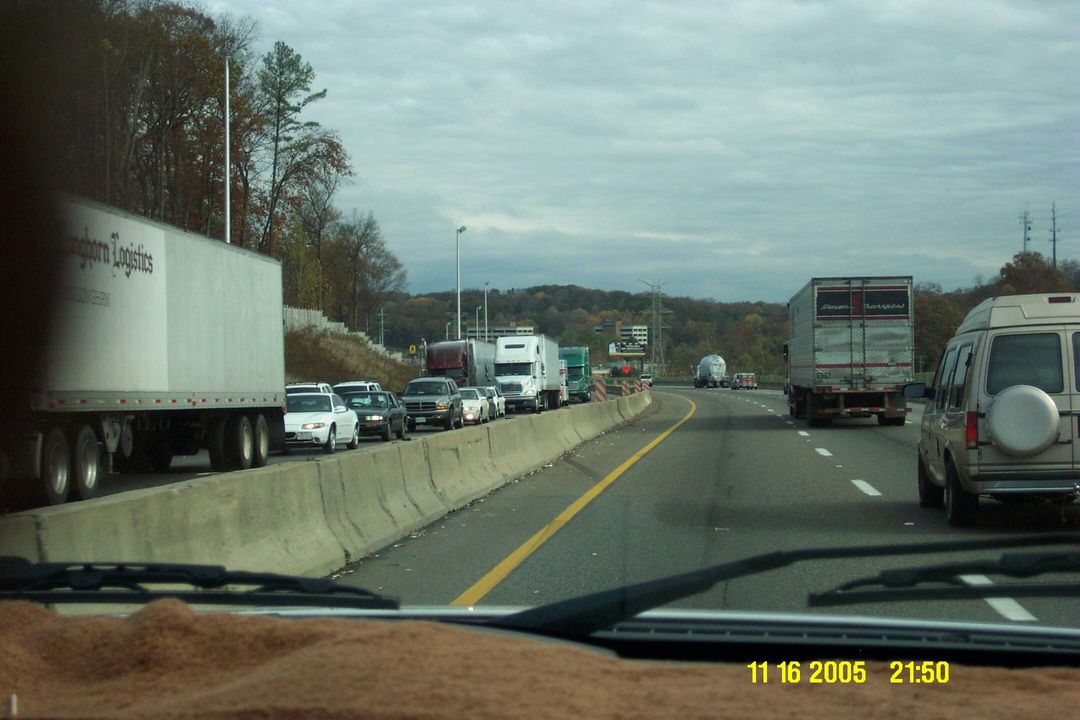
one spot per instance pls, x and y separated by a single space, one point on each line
467 362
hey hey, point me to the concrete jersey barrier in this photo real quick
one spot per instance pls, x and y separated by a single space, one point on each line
309 518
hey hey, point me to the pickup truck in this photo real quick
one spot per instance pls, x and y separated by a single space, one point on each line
433 401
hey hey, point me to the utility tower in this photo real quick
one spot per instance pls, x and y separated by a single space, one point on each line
656 342
1053 231
1025 222
382 326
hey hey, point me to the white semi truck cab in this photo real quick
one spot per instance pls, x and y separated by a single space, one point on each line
527 369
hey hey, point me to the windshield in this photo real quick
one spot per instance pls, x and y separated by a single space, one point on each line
512 369
431 387
242 196
308 403
360 401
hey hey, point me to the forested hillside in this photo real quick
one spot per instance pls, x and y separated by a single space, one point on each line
750 335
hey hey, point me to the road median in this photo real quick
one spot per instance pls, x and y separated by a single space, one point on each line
309 518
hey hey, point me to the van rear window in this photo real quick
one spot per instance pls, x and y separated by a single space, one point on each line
1026 359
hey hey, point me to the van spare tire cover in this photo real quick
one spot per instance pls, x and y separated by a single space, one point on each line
1022 421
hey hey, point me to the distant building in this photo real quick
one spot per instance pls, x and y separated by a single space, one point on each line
637 333
497 331
604 326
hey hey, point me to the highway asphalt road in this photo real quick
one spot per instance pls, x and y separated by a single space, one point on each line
738 478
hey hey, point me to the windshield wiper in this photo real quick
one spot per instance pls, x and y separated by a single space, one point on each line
58 582
584 615
902 584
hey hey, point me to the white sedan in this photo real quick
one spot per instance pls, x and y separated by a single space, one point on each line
500 401
474 406
320 420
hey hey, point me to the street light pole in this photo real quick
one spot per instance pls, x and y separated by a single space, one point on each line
448 328
228 181
486 337
457 245
229 59
477 323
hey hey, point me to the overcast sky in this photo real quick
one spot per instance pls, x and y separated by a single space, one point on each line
730 149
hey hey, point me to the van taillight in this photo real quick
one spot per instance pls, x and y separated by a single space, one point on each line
972 434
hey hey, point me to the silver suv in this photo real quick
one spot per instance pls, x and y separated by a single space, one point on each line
1001 415
433 401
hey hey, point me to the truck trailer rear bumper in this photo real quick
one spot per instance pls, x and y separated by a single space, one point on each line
842 412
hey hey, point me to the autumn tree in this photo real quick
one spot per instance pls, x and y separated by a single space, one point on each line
1070 268
936 319
1029 272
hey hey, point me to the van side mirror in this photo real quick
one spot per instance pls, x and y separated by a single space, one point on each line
915 390
785 351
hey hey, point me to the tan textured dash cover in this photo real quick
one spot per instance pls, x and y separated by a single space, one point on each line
169 662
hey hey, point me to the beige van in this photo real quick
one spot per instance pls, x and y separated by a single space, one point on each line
1001 414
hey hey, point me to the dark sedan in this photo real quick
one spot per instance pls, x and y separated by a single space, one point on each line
380 413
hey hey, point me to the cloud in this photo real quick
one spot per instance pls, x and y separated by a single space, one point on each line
735 148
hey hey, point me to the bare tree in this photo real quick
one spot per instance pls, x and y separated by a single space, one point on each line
369 270
285 84
315 209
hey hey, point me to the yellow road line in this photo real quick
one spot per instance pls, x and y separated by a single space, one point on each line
498 573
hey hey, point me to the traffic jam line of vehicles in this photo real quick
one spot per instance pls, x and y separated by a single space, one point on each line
152 362
159 361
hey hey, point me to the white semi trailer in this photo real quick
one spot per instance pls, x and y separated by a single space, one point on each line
164 342
851 349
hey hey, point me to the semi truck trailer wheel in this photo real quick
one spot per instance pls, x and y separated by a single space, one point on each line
85 462
239 442
261 428
215 444
812 418
55 468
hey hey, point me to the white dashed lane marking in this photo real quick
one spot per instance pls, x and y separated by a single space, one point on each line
865 487
823 451
804 433
1007 607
